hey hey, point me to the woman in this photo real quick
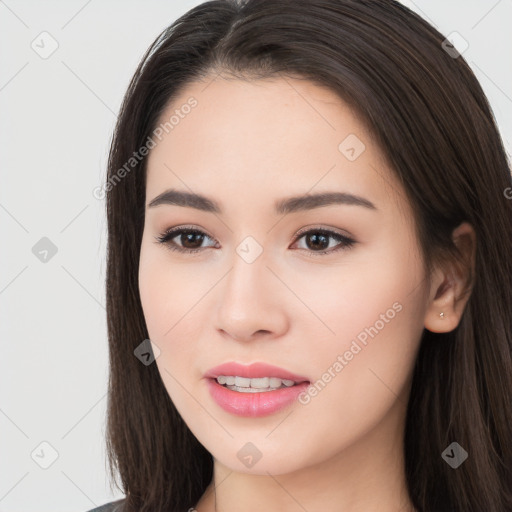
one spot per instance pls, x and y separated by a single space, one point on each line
309 217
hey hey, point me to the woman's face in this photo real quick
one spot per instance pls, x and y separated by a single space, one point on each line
259 289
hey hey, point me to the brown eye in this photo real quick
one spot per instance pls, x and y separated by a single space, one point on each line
317 241
191 240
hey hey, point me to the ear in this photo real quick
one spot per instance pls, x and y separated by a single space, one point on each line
451 287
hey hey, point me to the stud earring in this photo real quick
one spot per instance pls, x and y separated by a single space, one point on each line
441 315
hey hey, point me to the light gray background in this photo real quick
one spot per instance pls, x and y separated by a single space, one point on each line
57 116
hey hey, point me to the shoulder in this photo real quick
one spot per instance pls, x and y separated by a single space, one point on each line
112 506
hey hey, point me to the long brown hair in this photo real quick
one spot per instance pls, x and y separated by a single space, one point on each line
432 121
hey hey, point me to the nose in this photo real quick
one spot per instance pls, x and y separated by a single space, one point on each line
251 302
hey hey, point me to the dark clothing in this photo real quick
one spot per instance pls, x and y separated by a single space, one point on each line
112 506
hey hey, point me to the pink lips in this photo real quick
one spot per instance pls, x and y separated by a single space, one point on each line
254 404
253 371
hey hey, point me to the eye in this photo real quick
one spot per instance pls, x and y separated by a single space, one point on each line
319 238
191 240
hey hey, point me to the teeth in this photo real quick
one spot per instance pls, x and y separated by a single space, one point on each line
242 382
261 383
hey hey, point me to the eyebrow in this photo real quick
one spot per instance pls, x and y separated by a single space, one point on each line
282 206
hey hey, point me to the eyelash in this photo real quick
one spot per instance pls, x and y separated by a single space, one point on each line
345 242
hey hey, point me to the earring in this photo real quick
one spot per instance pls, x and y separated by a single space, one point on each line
441 315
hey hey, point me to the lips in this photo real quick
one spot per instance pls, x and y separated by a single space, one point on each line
254 371
254 405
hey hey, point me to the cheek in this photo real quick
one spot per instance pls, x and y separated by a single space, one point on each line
374 292
167 290
166 298
173 298
372 321
359 374
154 293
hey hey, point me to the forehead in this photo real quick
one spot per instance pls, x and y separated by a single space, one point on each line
249 139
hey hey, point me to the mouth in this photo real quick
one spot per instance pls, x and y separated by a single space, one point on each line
254 390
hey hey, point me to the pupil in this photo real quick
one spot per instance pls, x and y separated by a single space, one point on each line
316 237
189 237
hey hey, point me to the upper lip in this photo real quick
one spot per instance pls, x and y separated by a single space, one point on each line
253 371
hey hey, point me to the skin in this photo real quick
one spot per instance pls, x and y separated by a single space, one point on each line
245 145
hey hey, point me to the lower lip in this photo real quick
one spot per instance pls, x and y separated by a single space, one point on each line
254 404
